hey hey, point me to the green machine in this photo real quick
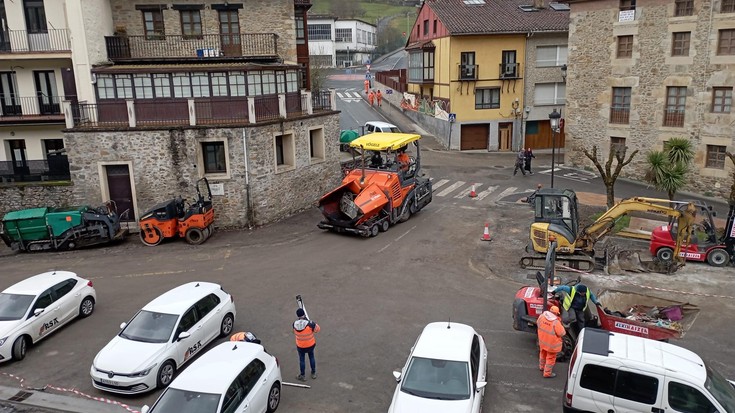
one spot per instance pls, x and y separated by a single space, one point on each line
39 229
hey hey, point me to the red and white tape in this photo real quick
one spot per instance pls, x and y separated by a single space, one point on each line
73 391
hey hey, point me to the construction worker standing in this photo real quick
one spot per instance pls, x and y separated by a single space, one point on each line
371 98
304 330
367 86
550 332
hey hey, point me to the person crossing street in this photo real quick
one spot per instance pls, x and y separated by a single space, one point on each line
520 159
304 330
550 332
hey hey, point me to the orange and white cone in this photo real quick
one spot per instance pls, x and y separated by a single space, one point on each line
473 194
486 233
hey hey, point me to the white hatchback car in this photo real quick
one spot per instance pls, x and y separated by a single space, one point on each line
37 306
163 336
445 372
232 377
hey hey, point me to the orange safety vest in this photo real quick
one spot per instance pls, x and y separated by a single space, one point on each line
550 332
304 333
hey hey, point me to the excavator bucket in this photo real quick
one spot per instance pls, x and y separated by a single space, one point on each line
619 262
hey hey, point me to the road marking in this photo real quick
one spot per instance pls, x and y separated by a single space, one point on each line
506 192
406 233
435 186
340 95
482 195
450 188
466 192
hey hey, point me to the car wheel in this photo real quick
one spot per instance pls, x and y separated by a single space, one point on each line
374 230
86 307
19 348
194 236
384 225
226 327
406 214
718 258
665 254
274 397
165 374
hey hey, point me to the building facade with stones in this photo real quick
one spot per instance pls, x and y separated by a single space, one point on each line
643 72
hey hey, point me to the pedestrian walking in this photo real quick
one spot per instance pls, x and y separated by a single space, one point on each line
367 86
520 158
371 98
304 330
527 156
379 96
550 332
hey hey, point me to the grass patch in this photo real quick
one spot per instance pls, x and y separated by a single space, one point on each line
373 11
621 223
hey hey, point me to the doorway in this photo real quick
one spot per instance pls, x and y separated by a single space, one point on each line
19 157
48 96
120 190
9 100
229 29
505 136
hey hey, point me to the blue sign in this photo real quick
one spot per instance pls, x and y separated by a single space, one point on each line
452 117
388 91
368 76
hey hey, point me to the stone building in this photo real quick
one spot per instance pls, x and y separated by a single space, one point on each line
642 72
195 89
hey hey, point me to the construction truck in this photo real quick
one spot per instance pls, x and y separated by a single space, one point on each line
381 190
556 215
44 229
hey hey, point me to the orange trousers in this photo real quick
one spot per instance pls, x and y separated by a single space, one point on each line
546 361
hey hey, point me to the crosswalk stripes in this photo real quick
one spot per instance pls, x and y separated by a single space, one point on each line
445 188
349 96
451 188
482 195
506 192
466 192
437 185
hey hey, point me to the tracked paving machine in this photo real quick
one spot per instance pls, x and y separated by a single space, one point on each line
44 229
170 219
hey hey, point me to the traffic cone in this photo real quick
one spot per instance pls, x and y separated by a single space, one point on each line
486 233
473 194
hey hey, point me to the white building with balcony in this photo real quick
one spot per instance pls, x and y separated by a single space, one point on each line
336 42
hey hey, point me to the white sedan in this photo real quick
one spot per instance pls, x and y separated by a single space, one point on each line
232 377
162 336
445 372
36 307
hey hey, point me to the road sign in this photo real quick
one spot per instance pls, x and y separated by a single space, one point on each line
452 117
388 91
368 76
368 67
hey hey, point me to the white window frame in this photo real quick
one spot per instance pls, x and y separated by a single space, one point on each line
200 159
558 98
317 145
560 53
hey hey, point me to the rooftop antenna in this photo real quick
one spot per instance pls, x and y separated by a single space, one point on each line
449 323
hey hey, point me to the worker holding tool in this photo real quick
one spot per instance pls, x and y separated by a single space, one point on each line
245 336
550 332
574 304
304 330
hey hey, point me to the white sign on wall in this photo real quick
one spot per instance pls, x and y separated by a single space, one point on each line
626 16
217 189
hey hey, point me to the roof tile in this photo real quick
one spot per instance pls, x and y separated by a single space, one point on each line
497 16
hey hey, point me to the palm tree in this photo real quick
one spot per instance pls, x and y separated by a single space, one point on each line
667 169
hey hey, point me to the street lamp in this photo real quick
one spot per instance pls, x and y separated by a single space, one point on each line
554 117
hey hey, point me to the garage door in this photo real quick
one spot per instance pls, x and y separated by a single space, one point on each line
474 136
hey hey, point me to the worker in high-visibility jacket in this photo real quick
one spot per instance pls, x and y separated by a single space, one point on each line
550 332
304 330
245 336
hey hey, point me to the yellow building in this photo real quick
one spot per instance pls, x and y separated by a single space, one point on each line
469 58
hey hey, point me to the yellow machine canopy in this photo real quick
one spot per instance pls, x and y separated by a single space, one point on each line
384 141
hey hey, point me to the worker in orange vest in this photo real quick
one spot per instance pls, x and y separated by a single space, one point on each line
379 95
367 86
550 332
402 159
304 330
245 336
371 98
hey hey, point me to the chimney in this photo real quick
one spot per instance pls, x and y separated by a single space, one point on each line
538 4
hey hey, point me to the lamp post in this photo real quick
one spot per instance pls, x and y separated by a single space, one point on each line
554 117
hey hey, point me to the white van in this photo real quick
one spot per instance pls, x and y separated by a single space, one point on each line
377 126
611 372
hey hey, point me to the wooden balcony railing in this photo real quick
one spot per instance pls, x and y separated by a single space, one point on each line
208 46
21 41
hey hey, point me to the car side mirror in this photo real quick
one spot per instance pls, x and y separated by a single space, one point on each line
38 311
145 409
122 325
184 334
397 375
479 385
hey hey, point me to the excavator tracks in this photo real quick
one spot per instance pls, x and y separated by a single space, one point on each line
574 263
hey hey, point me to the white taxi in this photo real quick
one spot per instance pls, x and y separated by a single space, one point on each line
232 377
162 336
36 307
445 372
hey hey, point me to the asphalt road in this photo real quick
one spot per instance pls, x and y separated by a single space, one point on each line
371 296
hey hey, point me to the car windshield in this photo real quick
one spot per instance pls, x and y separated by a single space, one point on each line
437 379
150 327
14 306
720 388
182 401
394 130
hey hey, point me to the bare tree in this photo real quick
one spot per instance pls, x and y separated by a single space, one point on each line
608 174
731 199
318 75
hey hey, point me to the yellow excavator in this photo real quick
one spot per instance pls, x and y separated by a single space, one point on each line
556 218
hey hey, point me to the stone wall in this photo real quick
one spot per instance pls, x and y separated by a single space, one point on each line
21 196
166 163
594 70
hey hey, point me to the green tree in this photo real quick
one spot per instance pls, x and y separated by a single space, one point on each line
667 169
607 173
389 39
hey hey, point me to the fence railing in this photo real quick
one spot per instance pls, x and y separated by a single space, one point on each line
620 115
510 70
206 46
674 118
393 79
21 107
55 168
468 72
22 41
221 110
321 100
266 108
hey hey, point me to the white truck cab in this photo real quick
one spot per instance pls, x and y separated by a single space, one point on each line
612 372
378 126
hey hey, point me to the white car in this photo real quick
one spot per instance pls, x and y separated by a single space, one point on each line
36 307
445 372
378 126
232 377
162 336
